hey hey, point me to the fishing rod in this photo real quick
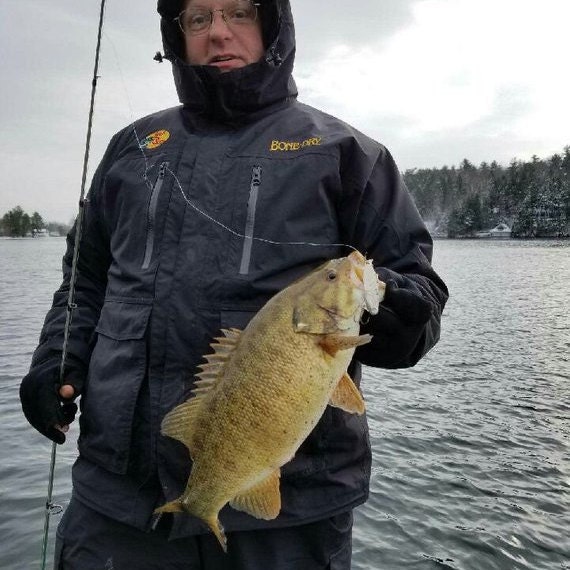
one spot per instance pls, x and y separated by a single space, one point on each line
50 508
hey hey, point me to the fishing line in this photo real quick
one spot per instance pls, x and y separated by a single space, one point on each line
217 222
237 234
50 508
149 167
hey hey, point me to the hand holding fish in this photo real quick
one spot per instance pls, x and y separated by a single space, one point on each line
408 305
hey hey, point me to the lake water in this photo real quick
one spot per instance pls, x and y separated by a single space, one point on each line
471 447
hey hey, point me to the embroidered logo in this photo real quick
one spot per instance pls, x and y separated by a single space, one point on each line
154 140
288 146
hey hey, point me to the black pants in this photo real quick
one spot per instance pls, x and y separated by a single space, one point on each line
87 540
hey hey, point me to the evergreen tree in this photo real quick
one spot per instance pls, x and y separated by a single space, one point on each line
16 222
37 222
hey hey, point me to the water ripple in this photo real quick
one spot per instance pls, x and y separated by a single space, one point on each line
471 462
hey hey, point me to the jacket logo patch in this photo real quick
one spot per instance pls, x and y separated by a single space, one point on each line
154 140
288 146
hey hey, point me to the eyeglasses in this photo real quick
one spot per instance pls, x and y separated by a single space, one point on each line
198 20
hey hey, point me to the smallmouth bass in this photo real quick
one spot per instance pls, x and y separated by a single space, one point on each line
264 389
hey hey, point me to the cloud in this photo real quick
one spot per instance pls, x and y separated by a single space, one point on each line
322 25
47 68
435 80
453 67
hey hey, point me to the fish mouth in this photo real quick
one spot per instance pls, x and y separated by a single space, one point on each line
358 264
335 313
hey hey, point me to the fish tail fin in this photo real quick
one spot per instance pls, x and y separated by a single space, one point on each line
218 530
172 507
178 506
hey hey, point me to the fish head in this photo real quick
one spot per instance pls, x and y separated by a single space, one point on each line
333 297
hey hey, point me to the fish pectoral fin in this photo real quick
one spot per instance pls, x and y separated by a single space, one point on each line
179 422
332 343
347 397
263 500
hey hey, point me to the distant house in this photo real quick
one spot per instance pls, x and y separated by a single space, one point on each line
499 231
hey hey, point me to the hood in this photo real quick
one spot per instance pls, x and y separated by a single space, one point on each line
236 94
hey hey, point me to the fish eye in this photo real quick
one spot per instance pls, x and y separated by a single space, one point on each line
331 275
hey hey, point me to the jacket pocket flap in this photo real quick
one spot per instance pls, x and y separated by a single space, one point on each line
123 321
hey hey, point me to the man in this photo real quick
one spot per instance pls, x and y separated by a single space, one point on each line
157 279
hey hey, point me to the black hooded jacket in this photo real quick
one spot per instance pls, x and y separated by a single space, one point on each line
196 216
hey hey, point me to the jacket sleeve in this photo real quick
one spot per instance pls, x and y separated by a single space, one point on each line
91 280
385 225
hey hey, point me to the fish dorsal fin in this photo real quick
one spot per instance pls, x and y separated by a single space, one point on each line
347 397
180 423
263 500
210 372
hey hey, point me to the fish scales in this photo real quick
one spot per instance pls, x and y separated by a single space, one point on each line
264 389
260 407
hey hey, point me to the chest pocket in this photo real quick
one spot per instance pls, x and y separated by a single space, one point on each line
285 210
136 198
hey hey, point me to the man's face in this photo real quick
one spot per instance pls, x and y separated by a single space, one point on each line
224 45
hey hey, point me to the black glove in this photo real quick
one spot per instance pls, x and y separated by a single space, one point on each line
43 407
397 328
408 305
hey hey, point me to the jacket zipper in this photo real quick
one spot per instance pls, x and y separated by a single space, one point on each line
250 220
151 215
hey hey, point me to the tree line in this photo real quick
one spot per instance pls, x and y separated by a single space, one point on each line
17 223
530 197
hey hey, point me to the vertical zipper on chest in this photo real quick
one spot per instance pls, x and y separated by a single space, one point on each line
151 215
250 220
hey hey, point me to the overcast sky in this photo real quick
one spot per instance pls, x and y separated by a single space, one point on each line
436 81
